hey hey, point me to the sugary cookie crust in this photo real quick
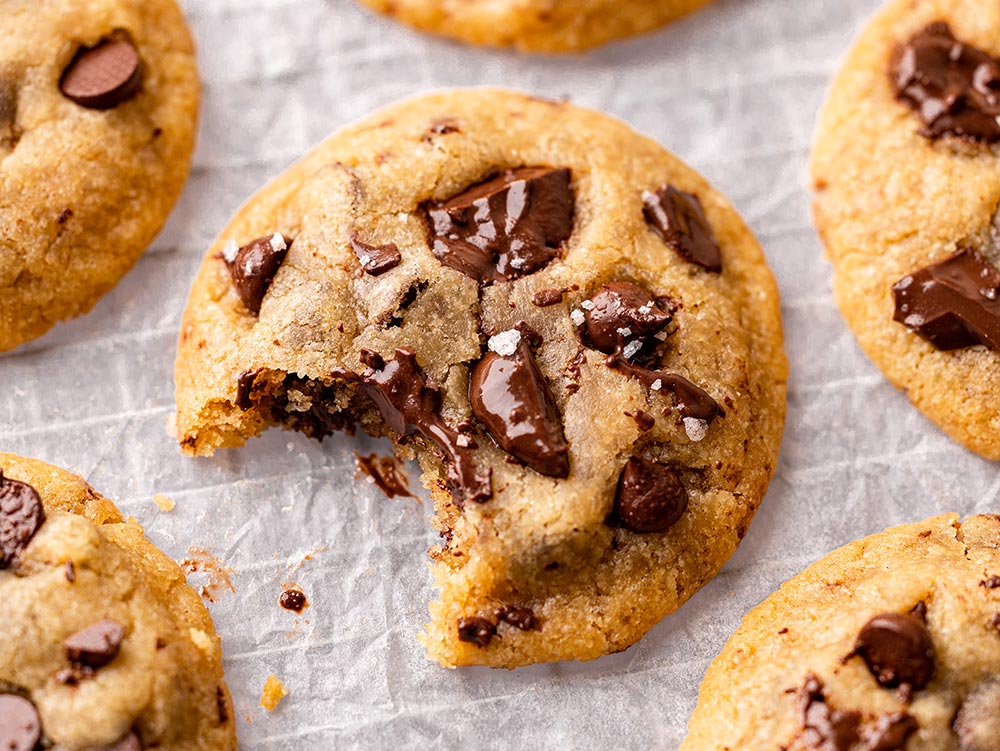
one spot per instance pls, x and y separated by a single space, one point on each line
85 564
84 191
750 698
539 543
537 25
890 201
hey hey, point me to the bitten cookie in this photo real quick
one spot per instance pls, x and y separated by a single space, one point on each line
537 25
577 337
890 643
98 111
907 186
103 645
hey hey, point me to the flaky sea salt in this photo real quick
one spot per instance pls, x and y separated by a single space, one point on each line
587 305
278 242
631 350
656 385
646 309
661 335
577 316
505 343
463 441
625 331
696 429
230 251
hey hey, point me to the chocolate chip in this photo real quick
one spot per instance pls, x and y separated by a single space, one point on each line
20 725
545 298
376 259
952 304
977 724
95 646
952 87
645 422
21 515
478 631
409 405
522 618
624 317
990 582
510 397
70 572
104 76
294 600
253 267
897 649
445 127
510 226
650 497
679 219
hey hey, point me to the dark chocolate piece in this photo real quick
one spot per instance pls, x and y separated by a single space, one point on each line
650 497
20 725
388 473
680 220
445 127
953 88
545 298
990 582
644 421
624 317
21 515
244 387
898 650
478 631
521 618
510 397
95 646
507 227
253 267
952 304
104 76
409 405
294 600
376 259
691 400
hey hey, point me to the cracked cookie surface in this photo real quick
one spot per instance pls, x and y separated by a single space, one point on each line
906 196
103 645
98 111
536 25
889 643
474 274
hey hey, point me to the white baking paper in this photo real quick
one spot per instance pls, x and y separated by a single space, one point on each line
733 90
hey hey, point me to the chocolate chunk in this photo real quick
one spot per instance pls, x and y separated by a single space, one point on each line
897 649
253 267
409 405
691 400
376 259
445 127
650 497
478 631
95 646
545 298
990 582
624 317
679 219
510 226
510 397
104 76
21 515
522 618
294 600
889 732
977 724
20 725
244 387
952 87
952 304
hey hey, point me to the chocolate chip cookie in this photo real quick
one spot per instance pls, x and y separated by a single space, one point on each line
575 335
537 25
103 645
890 643
907 186
98 110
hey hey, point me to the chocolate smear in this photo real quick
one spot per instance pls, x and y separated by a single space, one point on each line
253 267
20 725
679 219
387 472
95 646
691 400
898 650
376 259
21 515
478 631
103 77
650 497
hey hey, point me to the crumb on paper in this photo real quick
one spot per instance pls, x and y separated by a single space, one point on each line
217 575
274 691
164 502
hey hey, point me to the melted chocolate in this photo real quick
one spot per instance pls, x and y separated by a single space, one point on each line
691 400
650 497
954 303
478 631
376 259
21 516
409 405
680 220
387 473
253 268
244 387
952 87
621 317
897 649
510 226
510 397
20 725
95 646
294 600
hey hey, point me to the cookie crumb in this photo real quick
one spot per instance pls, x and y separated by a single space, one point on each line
274 691
202 640
164 503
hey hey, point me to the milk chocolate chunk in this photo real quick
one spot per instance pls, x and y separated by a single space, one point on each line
680 220
624 317
410 405
898 650
95 646
21 515
20 725
510 397
952 304
953 88
253 267
977 724
478 631
510 226
376 259
650 497
104 76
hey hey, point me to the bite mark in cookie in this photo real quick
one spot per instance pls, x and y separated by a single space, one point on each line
105 76
21 516
680 220
253 267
